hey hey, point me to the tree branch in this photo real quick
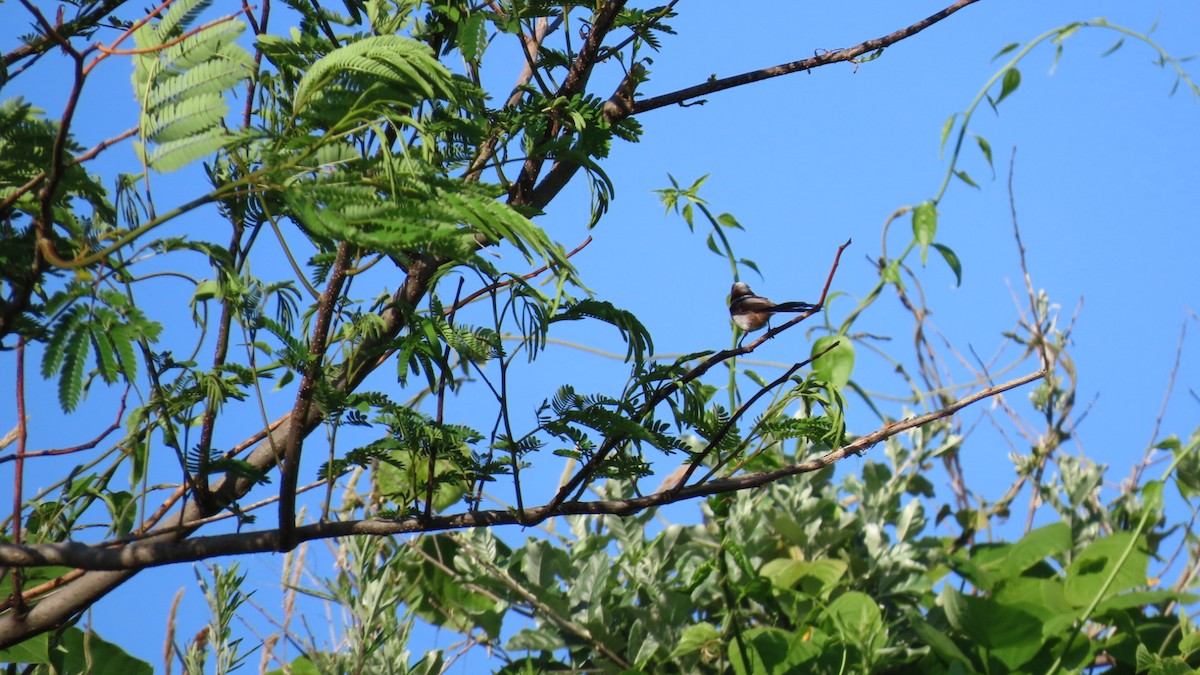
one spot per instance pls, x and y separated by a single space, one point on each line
154 554
823 59
304 397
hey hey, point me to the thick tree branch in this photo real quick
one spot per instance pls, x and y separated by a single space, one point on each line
574 83
153 554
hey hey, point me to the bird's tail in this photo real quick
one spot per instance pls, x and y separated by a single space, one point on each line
794 307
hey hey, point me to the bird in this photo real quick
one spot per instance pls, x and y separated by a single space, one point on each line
751 312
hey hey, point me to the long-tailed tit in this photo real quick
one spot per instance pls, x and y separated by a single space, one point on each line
751 312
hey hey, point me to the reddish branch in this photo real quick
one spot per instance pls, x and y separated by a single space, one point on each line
75 448
18 523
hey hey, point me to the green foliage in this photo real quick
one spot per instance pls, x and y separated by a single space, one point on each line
367 170
223 596
633 333
181 80
105 326
76 652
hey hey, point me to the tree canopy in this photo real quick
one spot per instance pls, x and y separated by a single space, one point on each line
298 296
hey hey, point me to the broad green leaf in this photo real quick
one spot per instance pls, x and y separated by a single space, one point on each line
89 653
1138 599
1011 635
1012 80
911 521
1006 561
768 650
857 618
836 365
544 640
942 645
32 650
1152 495
1088 573
695 638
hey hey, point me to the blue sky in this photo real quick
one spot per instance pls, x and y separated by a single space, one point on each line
1106 185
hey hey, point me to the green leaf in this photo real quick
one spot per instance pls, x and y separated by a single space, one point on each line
951 259
175 121
543 640
182 86
924 223
836 365
966 178
1006 49
890 274
946 129
729 221
1041 597
986 149
911 521
942 645
70 382
768 651
1012 80
856 617
1011 635
174 155
1044 542
301 665
472 36
407 66
1088 573
1152 495
1139 599
696 637
88 653
635 335
31 650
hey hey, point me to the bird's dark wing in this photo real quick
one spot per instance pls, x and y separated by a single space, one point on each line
793 307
